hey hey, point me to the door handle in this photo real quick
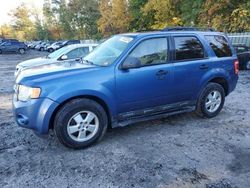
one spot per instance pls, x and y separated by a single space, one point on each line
204 66
161 73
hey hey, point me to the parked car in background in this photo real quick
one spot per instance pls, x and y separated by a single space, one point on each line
33 44
8 40
69 42
13 46
128 78
47 45
40 46
243 53
54 46
70 52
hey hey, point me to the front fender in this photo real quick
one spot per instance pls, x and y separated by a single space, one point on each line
65 93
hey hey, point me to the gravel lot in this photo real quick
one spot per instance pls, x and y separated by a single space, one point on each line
180 151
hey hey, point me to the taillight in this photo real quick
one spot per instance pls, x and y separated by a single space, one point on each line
236 66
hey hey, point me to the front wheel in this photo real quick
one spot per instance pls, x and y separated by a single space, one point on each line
211 100
80 123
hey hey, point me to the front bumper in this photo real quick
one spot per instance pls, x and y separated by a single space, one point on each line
34 114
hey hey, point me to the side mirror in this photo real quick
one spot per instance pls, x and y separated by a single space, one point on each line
131 63
64 57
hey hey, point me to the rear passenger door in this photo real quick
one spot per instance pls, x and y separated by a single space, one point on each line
190 64
7 47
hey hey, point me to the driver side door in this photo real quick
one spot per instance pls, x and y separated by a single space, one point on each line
149 85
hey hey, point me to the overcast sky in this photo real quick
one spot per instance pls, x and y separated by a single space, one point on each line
8 5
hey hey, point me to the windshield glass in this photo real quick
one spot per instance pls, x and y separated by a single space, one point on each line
58 53
107 52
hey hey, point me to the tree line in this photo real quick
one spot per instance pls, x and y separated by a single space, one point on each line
95 19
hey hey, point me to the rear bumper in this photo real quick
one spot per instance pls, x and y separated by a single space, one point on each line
34 114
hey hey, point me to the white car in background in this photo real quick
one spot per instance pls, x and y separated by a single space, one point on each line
54 46
70 52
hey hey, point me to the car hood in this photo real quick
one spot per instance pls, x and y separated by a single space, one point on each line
53 70
36 62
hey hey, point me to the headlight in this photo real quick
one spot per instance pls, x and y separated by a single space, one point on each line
25 93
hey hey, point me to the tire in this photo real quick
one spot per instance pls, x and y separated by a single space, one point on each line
71 126
211 100
50 50
247 65
21 51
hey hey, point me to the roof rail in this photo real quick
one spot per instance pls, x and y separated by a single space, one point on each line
187 29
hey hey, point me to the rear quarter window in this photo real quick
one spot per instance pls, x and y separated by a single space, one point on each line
219 45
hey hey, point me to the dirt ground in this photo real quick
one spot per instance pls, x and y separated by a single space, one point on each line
179 151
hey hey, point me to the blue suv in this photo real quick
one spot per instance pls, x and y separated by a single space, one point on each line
128 78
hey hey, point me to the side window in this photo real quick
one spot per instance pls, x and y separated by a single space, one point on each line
188 48
151 51
7 44
83 51
219 45
73 54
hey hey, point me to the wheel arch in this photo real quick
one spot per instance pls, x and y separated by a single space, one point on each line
91 97
221 81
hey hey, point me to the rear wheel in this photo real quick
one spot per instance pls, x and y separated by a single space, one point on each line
80 123
247 65
211 100
50 50
21 51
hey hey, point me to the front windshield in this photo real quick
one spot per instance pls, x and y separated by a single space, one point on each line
107 52
58 53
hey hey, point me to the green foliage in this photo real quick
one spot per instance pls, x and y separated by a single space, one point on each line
84 19
115 17
139 21
22 24
83 16
165 13
190 11
226 15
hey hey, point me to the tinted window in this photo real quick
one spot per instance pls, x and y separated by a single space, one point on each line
7 44
15 43
219 45
187 48
83 51
73 54
73 42
152 51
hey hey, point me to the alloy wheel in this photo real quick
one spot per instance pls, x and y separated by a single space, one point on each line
213 101
83 126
